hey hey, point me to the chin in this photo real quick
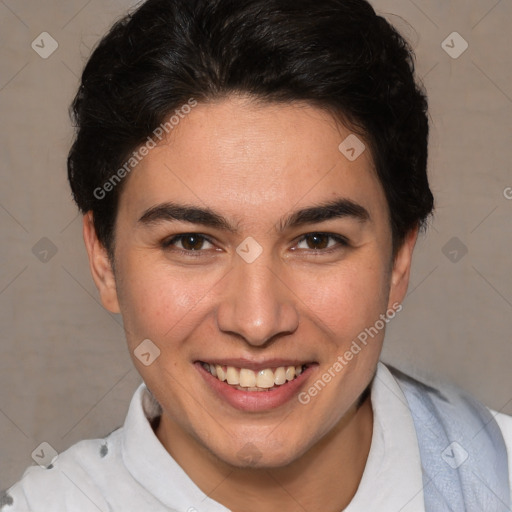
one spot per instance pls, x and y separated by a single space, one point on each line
261 455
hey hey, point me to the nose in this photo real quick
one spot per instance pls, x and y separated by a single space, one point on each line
256 305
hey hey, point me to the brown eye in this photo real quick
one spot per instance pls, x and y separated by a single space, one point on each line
322 241
188 242
192 242
317 241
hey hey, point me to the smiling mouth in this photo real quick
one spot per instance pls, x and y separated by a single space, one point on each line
245 379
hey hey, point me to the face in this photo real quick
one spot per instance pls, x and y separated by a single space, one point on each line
249 246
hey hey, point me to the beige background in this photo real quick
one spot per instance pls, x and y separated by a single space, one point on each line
64 371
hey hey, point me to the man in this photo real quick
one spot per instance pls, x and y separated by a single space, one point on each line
252 175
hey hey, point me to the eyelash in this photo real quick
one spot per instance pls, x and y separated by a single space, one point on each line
168 243
341 242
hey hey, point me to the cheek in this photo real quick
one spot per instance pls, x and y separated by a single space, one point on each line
159 302
346 300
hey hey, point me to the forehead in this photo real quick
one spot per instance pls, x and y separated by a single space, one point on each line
252 160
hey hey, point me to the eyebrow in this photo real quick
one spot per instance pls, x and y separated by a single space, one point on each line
339 208
171 212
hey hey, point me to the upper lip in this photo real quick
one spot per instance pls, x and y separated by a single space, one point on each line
257 364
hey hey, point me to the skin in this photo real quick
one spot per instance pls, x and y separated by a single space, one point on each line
255 164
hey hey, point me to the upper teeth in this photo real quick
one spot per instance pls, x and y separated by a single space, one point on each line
246 378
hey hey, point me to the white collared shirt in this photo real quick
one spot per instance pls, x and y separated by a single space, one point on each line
130 470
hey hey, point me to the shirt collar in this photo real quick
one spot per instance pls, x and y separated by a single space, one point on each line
392 479
152 466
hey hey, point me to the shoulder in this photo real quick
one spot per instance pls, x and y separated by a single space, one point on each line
76 480
505 423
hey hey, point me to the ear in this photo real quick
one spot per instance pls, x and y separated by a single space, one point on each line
100 265
402 268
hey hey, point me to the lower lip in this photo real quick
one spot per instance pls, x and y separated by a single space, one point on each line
255 401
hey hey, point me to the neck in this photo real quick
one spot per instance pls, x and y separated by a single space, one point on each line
325 478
